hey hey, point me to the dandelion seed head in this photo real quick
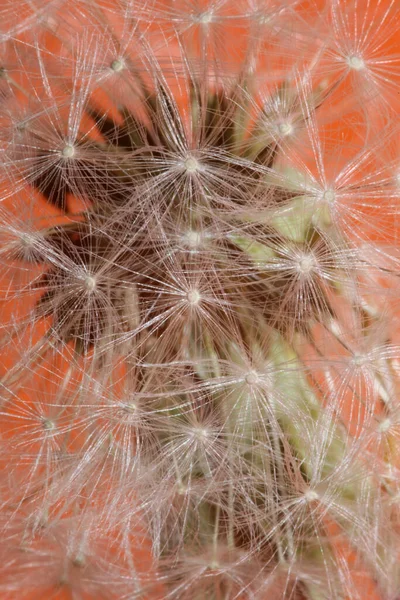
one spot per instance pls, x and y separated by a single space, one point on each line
68 151
130 408
311 496
385 425
27 240
329 196
78 561
193 297
90 283
360 360
306 264
204 18
117 65
188 276
285 128
191 164
252 378
200 434
48 424
263 19
192 239
355 62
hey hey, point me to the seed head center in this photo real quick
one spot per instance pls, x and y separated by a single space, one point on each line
48 424
200 434
311 496
285 128
117 65
68 151
130 408
263 19
355 62
360 360
192 239
27 240
193 297
205 18
252 378
306 264
191 164
329 196
384 425
78 561
90 283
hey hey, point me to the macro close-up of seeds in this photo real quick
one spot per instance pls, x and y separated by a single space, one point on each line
199 300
